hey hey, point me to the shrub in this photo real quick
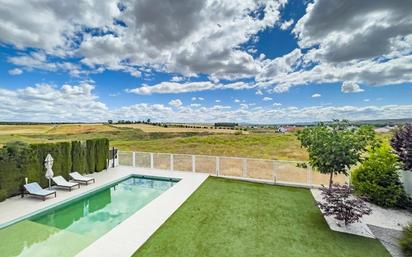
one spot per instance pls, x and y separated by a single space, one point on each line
377 179
339 202
406 241
402 144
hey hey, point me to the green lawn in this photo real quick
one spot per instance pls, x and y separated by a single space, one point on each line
232 218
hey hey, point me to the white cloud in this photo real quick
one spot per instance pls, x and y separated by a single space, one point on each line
337 37
176 103
367 100
51 25
286 24
184 37
44 102
316 95
351 87
259 92
277 104
217 101
200 98
345 31
15 72
174 87
266 98
237 101
260 114
177 78
195 105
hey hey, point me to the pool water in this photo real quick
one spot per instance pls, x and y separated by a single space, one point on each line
67 229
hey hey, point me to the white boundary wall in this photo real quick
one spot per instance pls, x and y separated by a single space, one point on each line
291 173
406 177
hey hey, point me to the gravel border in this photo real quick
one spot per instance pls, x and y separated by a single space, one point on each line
389 239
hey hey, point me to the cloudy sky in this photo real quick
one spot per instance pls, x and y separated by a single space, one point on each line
204 61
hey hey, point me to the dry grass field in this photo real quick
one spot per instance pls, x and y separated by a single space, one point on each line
151 129
24 129
148 138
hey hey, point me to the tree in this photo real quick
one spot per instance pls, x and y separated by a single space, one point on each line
110 121
378 181
402 144
334 148
338 202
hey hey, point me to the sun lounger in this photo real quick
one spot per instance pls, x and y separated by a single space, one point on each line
62 182
76 176
35 190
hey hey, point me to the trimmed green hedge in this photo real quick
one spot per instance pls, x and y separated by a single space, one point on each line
19 160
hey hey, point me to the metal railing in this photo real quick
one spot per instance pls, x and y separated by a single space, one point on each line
295 173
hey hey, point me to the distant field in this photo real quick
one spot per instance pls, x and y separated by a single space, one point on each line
264 144
24 129
150 128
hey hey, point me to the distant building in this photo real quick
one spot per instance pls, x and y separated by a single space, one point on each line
384 129
282 130
226 124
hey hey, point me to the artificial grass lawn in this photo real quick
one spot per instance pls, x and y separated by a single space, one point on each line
232 218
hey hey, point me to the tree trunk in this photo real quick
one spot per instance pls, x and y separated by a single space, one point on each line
330 180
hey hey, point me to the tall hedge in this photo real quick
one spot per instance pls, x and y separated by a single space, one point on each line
15 160
62 160
91 155
101 153
79 163
19 160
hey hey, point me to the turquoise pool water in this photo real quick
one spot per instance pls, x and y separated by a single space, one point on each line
67 229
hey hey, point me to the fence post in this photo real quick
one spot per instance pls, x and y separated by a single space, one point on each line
134 159
274 171
217 166
193 163
309 178
245 168
118 158
151 160
171 162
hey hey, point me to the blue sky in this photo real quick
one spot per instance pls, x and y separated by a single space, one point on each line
245 61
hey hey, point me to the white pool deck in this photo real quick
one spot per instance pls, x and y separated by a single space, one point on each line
128 236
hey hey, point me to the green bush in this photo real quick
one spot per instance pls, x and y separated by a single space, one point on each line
406 241
377 179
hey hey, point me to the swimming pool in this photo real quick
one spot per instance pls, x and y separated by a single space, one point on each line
68 228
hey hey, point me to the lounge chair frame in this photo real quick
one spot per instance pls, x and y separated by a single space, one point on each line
83 181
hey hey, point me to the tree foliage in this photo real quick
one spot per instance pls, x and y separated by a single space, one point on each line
402 144
338 202
377 179
334 148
